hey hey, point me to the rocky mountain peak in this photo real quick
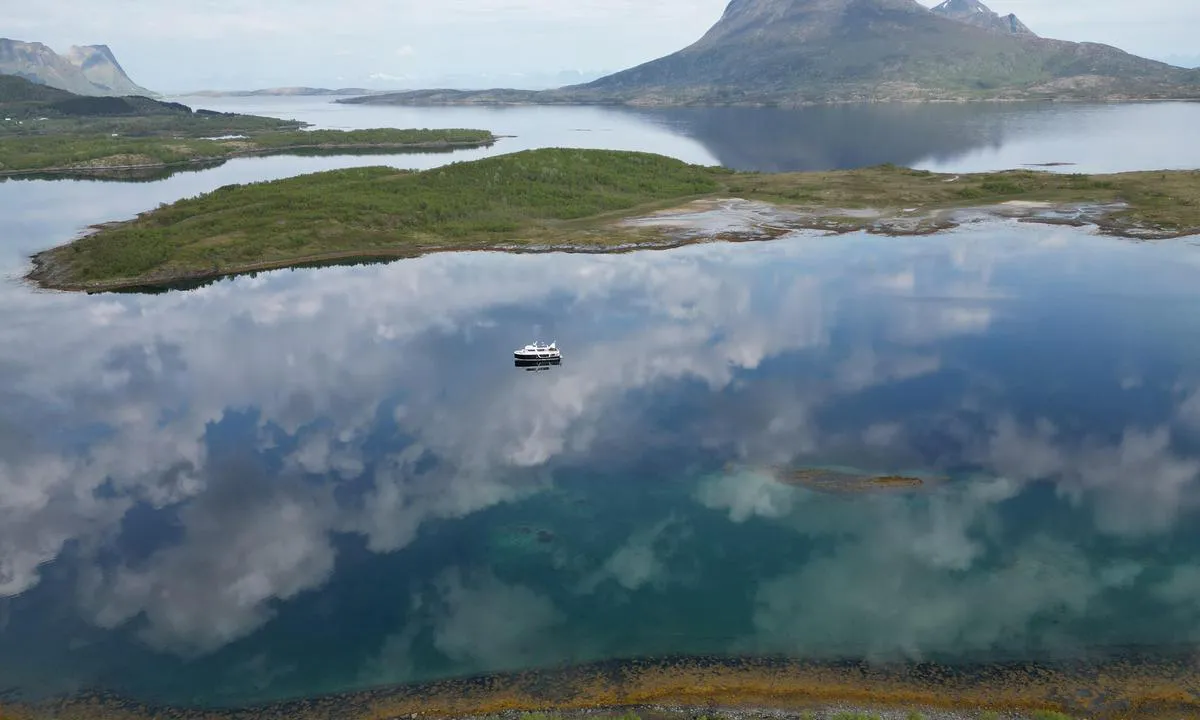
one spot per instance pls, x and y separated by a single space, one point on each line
101 68
800 20
974 12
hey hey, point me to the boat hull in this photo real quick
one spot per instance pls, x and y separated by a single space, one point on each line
536 362
536 356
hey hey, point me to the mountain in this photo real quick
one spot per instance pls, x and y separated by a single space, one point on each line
84 70
101 68
976 13
799 52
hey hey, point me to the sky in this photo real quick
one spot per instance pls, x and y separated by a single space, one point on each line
176 46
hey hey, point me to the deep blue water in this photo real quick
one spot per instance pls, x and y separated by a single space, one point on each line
319 480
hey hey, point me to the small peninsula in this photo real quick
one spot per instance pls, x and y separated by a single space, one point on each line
581 201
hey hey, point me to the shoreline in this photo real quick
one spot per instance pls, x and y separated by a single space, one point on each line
1054 100
673 232
333 148
1120 685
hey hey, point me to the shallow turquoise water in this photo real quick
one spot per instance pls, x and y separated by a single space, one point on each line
323 480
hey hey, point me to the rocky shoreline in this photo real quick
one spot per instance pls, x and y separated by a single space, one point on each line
736 218
1112 684
702 221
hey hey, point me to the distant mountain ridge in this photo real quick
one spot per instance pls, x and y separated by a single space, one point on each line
800 52
84 70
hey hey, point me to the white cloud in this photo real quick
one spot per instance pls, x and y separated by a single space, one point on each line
490 624
243 548
387 77
896 584
1189 410
748 494
642 560
1137 486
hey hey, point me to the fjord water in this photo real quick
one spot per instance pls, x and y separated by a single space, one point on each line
319 480
970 137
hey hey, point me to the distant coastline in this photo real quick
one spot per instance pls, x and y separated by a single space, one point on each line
504 97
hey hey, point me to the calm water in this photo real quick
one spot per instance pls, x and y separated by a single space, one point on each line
951 138
320 480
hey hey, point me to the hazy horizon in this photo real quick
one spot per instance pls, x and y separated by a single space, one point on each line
378 44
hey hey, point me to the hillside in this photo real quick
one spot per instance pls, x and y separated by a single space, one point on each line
796 52
85 70
22 99
30 109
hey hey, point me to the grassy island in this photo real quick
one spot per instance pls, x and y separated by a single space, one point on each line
92 154
581 200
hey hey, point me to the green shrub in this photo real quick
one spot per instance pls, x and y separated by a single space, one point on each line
1002 187
349 210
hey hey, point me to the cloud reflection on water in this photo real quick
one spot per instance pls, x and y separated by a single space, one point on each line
271 414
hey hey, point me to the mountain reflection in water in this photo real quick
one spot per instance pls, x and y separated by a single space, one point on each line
308 482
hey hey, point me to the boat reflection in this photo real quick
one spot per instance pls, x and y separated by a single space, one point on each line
537 365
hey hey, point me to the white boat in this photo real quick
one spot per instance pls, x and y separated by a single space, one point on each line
537 351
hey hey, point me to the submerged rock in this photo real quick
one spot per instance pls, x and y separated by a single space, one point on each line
847 481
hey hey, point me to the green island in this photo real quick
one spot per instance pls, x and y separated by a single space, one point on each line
90 154
46 131
578 200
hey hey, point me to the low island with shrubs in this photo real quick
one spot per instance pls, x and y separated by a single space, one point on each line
576 200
